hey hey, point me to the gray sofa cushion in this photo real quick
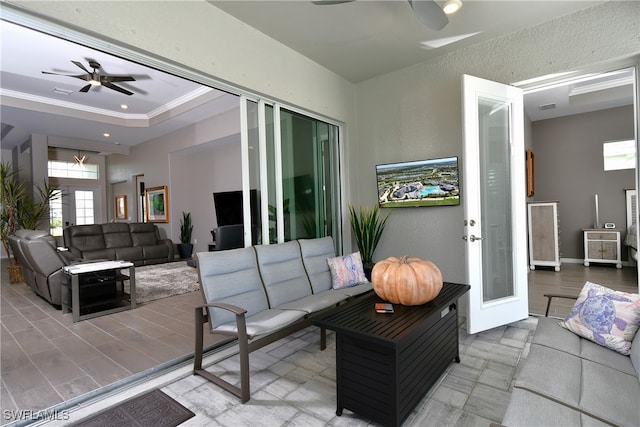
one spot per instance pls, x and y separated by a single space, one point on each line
154 252
550 334
315 302
314 257
265 322
143 234
131 253
360 288
84 237
528 409
592 388
231 277
116 235
282 272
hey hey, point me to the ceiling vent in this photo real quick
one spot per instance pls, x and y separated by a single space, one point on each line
547 107
62 91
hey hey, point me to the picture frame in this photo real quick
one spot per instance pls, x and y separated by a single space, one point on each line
157 204
121 207
529 167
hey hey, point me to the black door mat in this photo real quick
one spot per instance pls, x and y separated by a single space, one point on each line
153 409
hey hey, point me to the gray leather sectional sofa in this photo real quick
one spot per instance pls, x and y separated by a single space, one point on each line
137 242
259 294
567 380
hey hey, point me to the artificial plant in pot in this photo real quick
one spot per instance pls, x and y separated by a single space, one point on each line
367 225
185 247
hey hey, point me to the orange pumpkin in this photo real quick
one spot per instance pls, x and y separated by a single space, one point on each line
406 281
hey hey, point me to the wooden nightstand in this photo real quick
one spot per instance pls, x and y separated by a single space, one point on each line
602 245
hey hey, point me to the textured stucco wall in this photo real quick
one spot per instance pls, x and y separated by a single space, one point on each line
415 113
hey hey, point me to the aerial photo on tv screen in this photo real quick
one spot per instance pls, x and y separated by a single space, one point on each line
419 183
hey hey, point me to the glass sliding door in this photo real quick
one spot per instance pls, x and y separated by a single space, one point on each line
292 174
309 176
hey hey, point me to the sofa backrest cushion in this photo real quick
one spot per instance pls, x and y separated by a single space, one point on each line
231 277
143 233
282 272
314 258
43 258
84 237
116 235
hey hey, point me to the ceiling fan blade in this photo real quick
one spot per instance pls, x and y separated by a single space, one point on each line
328 2
77 76
86 88
116 88
109 78
429 13
82 67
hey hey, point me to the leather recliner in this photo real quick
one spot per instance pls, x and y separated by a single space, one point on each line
41 263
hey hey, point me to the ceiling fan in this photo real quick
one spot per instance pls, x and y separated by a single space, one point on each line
94 78
427 11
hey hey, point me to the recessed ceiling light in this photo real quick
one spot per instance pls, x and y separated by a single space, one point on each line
452 6
124 106
106 134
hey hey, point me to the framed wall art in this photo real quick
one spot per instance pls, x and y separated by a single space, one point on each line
121 207
529 167
157 201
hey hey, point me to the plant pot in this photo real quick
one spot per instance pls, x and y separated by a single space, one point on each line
15 273
368 268
185 250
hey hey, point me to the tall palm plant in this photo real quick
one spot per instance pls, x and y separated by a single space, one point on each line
20 209
12 192
367 225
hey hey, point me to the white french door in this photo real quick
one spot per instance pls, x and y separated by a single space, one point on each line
494 204
78 205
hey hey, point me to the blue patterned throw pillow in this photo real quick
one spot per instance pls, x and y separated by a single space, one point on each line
606 317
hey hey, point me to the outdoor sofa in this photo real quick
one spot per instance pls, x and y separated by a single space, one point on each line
260 294
568 380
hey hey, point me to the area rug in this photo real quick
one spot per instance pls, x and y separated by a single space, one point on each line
153 409
164 280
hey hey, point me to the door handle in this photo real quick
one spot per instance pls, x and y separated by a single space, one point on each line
474 238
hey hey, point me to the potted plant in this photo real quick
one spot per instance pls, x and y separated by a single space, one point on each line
367 225
19 209
185 247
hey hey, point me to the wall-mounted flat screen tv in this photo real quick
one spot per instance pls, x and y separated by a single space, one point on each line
431 182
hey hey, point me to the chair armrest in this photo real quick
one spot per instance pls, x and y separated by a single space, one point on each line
229 307
552 296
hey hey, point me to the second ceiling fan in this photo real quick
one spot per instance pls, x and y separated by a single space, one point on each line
95 79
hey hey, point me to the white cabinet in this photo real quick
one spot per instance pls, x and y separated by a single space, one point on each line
602 245
544 235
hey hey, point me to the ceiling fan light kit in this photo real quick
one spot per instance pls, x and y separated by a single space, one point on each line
451 6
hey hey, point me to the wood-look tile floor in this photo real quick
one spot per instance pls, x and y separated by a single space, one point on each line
46 359
570 279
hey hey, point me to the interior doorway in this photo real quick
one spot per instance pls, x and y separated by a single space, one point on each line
567 123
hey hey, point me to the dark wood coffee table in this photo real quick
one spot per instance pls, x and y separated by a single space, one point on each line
385 363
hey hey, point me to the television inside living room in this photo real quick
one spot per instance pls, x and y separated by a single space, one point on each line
432 182
228 207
